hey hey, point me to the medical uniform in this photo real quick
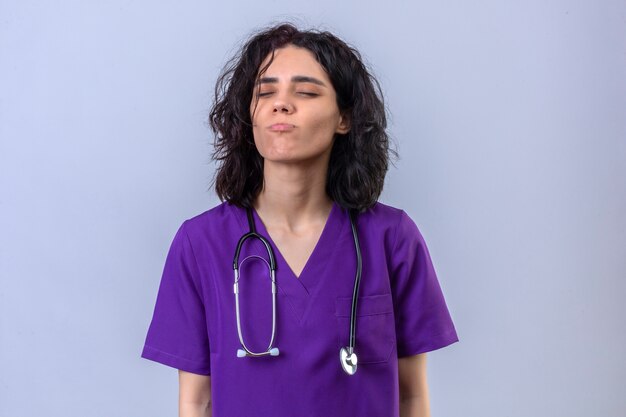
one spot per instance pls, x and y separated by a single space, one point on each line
401 311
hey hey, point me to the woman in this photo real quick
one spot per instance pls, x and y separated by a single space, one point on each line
300 136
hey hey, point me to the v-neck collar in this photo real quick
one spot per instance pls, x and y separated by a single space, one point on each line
300 289
321 242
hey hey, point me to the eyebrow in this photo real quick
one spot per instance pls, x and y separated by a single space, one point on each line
294 79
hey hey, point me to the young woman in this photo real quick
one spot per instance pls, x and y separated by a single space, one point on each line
300 294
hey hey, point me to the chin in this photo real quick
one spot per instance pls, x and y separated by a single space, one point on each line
281 155
290 156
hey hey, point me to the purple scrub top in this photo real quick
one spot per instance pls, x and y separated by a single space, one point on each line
401 311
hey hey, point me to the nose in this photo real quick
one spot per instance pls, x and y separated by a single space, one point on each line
282 106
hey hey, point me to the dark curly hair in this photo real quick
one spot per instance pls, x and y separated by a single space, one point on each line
358 161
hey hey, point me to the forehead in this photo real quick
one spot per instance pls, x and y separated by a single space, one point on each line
290 60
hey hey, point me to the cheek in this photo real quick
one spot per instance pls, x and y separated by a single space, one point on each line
254 113
257 109
324 122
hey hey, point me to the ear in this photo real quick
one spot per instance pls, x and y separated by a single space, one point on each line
344 124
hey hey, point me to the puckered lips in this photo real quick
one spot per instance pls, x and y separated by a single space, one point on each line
281 127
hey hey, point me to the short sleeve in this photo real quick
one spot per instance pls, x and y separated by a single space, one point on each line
423 322
177 335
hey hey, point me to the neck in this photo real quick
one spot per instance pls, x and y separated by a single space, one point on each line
293 196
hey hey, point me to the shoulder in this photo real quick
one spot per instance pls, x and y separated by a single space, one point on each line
386 216
394 222
216 220
382 215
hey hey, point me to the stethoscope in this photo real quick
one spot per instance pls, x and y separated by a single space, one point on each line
347 356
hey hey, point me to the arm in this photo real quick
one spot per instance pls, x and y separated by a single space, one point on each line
413 386
194 395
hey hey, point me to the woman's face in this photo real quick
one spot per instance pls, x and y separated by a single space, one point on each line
296 116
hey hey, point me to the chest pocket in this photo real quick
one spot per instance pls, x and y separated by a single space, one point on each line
375 327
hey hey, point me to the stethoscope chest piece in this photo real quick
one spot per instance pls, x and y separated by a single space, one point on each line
348 361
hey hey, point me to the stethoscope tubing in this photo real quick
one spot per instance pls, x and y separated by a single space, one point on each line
357 283
268 351
250 235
